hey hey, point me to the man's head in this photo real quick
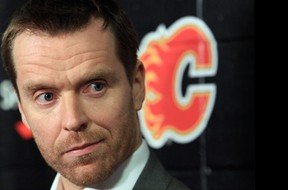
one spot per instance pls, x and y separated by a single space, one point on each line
56 17
75 67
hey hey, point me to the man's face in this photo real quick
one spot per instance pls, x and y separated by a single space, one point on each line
77 101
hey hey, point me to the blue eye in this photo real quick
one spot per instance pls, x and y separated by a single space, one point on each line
95 89
98 86
46 98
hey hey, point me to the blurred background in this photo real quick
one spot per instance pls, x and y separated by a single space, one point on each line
221 157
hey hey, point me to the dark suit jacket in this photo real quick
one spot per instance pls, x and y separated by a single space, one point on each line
155 177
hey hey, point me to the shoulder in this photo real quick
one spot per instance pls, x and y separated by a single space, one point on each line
175 184
155 177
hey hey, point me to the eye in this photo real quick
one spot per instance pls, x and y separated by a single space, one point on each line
46 98
95 89
98 86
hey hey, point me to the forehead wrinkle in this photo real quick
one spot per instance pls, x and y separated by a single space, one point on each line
63 50
67 58
95 57
55 64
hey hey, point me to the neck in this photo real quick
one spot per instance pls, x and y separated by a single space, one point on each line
65 184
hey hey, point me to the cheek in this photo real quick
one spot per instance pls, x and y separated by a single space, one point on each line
106 116
44 127
114 115
44 141
45 138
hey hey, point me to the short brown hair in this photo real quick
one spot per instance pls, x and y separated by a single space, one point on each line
56 17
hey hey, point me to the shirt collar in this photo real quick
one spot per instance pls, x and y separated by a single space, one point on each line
126 175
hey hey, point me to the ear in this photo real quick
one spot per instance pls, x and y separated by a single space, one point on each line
138 85
23 115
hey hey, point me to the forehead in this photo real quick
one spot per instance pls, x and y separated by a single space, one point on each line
93 36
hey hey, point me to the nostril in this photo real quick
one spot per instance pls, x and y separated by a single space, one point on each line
77 128
82 127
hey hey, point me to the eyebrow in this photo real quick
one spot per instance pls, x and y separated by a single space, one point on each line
32 86
107 75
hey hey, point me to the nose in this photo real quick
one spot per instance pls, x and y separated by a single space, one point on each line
73 115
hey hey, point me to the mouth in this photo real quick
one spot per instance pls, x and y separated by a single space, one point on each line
84 149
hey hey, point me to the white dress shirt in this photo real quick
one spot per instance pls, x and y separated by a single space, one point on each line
125 177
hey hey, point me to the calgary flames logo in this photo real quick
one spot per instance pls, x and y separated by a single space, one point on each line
178 102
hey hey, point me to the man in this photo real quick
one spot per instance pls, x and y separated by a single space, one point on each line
75 70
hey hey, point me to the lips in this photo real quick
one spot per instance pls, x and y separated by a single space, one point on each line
76 148
83 149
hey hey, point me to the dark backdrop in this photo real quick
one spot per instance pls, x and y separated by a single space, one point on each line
223 156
